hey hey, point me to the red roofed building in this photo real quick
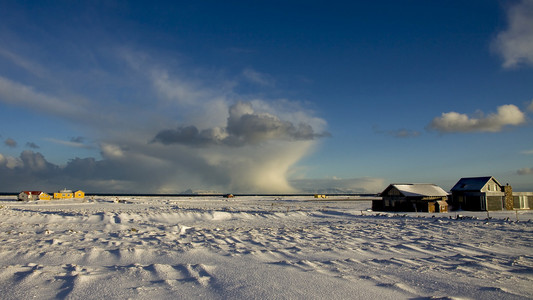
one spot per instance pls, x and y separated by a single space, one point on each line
33 195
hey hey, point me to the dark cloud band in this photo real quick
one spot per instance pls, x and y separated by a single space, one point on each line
244 127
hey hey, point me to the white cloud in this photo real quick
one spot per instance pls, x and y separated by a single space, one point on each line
9 162
111 151
515 44
400 133
252 151
455 122
528 152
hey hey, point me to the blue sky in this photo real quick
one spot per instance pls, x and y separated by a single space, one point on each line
264 96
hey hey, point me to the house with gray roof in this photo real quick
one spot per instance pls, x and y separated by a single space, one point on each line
420 197
481 194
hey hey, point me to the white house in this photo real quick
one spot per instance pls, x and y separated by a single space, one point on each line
29 195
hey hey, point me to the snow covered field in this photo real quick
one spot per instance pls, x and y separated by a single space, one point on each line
258 248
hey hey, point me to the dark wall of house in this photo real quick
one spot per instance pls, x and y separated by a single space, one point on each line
401 204
516 202
494 203
406 205
455 202
472 203
377 205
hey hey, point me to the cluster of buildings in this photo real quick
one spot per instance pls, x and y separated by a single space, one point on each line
39 195
472 193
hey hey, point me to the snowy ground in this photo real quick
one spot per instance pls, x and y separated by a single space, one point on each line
258 248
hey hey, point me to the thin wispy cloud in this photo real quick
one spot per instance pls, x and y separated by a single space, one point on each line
77 142
18 94
181 91
77 139
399 133
506 115
22 62
257 77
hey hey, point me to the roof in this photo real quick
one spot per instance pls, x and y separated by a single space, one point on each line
32 192
472 183
418 189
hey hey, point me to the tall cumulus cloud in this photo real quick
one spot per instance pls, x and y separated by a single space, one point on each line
250 151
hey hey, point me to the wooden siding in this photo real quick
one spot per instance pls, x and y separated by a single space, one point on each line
494 203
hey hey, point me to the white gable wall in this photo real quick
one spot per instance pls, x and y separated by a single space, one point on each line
492 186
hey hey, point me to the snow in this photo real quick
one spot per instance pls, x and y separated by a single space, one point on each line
258 248
420 189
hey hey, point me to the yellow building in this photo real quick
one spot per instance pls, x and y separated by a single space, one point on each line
44 196
64 194
79 194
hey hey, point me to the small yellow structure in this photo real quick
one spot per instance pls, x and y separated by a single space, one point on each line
320 196
79 194
44 196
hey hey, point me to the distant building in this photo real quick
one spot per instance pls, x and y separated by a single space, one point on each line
79 194
481 194
29 195
33 195
421 197
44 196
68 194
64 194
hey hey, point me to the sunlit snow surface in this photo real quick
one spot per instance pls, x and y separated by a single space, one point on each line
258 248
